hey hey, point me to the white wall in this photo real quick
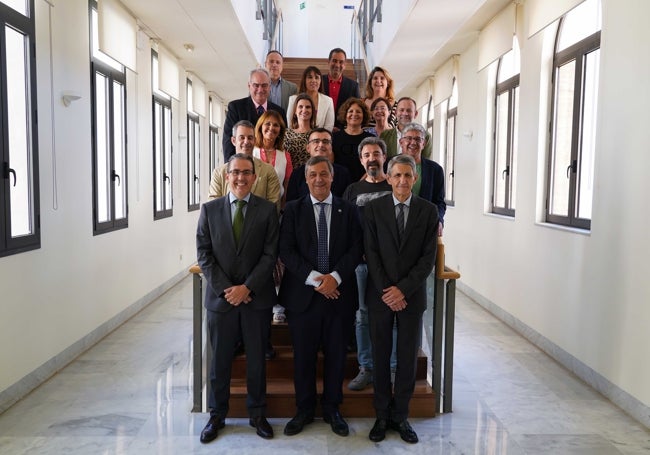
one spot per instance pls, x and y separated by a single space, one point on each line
54 296
317 28
588 293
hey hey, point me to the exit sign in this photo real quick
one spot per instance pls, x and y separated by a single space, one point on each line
302 5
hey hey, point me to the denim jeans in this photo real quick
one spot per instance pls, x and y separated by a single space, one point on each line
364 345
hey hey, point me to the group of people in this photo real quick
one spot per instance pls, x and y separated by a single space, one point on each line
330 223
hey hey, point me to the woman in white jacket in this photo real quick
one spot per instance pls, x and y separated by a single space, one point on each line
311 84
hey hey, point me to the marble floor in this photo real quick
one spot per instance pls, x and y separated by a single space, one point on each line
131 394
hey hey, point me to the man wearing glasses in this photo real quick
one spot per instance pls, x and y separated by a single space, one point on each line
430 184
249 108
407 112
237 245
319 144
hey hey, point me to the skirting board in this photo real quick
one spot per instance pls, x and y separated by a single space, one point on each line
616 395
20 389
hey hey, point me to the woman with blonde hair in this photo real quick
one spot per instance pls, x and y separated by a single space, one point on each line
380 85
311 84
302 121
269 140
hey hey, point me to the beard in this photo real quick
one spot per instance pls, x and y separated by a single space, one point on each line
373 168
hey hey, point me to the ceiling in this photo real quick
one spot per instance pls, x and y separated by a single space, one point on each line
222 57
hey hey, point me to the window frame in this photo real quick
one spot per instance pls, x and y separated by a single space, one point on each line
509 87
577 53
163 150
9 245
449 152
193 162
98 66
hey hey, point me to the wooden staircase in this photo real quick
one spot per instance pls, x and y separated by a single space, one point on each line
280 391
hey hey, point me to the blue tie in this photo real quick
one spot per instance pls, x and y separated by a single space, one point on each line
260 110
323 256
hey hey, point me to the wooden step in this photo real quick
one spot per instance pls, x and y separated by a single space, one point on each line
281 367
281 402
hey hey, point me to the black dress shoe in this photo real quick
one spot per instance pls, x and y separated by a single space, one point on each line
211 430
339 426
405 431
295 425
262 426
378 432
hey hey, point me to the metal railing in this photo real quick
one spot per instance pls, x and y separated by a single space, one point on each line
268 12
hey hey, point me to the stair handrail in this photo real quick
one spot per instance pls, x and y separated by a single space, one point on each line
358 54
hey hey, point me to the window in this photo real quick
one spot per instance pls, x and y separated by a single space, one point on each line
214 141
162 146
109 153
19 190
504 165
450 144
193 154
573 128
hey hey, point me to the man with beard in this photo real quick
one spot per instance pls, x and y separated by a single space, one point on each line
372 154
407 111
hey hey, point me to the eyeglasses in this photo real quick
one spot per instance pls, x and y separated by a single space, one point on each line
416 139
237 172
381 108
320 141
257 86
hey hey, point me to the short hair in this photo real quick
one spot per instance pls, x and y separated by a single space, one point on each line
390 91
259 139
414 126
343 110
402 159
245 123
320 130
314 160
273 51
380 100
405 98
374 140
303 79
336 50
294 117
258 70
241 156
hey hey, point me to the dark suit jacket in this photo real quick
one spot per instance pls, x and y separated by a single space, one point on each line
405 264
298 188
432 187
287 88
349 89
299 250
252 263
242 109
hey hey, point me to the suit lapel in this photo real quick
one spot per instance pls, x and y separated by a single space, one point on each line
225 217
391 220
336 223
249 221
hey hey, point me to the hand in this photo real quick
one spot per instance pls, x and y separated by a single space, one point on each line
439 229
236 295
328 286
398 306
392 296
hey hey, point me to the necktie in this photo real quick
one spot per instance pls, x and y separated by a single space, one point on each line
238 220
400 221
260 110
323 256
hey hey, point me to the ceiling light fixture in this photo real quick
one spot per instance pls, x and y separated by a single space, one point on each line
189 47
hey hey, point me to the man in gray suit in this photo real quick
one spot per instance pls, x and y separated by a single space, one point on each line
281 89
400 237
236 240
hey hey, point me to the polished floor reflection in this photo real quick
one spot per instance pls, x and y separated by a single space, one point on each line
131 394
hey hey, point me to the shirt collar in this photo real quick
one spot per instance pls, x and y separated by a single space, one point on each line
406 202
328 199
233 198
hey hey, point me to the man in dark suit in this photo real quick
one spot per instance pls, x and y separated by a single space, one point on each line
236 238
281 89
336 85
400 247
249 108
430 184
319 144
320 246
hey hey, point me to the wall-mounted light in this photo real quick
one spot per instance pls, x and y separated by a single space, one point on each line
69 96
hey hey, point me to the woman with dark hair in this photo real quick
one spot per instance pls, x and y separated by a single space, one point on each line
380 85
380 110
302 121
354 115
269 139
311 84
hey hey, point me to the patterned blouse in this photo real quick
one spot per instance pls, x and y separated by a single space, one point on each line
296 144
